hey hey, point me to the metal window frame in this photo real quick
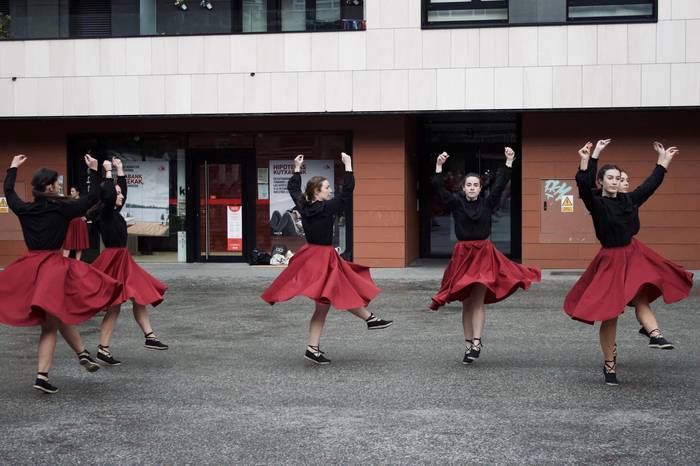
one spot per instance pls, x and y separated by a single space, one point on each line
427 7
611 19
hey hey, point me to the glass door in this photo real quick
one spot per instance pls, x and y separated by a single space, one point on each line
475 144
222 209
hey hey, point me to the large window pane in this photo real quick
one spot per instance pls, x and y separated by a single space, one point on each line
465 12
610 11
152 170
254 15
47 19
327 14
613 9
196 19
293 15
467 15
37 19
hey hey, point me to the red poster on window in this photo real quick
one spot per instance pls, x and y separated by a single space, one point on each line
234 235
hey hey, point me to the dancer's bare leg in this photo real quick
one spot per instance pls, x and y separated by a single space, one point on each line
141 317
608 333
318 320
109 323
47 344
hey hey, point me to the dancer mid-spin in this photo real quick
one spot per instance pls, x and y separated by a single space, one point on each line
625 271
115 260
317 270
42 287
478 273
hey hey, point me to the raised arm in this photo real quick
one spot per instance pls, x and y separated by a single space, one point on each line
121 179
342 199
644 191
593 161
14 202
502 177
81 205
583 177
438 182
294 183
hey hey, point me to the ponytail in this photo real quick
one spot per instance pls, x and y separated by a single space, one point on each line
312 187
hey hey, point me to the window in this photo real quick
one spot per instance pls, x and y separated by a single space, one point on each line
49 19
445 13
90 19
611 10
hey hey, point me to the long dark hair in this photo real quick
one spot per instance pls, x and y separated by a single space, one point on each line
106 200
312 187
43 178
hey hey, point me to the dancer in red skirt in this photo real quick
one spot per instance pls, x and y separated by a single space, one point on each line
624 271
77 237
138 285
478 273
316 270
645 316
42 287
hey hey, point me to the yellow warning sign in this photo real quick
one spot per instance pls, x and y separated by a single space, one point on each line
567 203
3 206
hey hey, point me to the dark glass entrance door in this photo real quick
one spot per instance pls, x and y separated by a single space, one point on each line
223 207
475 144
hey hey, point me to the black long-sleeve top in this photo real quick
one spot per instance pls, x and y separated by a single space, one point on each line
318 217
616 219
45 221
472 218
110 222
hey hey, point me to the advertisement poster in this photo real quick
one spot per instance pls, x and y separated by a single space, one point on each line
283 220
146 207
234 228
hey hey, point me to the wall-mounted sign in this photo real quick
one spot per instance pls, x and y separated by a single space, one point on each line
567 203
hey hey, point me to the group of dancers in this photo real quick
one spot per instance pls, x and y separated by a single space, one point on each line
45 288
624 272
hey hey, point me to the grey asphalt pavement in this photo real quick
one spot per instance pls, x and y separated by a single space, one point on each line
235 389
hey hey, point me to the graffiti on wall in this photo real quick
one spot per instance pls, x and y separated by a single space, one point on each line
556 189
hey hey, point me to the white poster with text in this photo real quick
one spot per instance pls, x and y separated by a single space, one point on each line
234 228
282 170
148 188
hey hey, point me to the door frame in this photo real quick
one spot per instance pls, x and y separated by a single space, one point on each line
425 165
244 158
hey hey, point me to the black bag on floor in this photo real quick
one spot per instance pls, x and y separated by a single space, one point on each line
259 258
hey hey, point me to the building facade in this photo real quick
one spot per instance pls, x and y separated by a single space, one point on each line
207 102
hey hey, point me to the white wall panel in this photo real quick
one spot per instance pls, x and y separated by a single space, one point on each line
393 66
451 89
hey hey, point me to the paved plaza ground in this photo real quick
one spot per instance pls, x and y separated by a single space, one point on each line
235 389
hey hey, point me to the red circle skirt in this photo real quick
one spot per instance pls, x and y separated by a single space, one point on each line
77 237
45 282
480 262
617 275
138 285
319 273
